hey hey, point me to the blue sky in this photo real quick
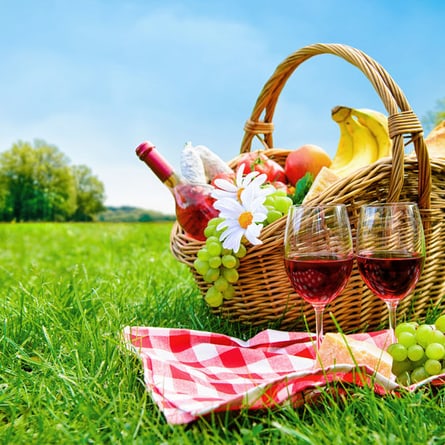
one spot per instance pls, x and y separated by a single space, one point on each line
97 77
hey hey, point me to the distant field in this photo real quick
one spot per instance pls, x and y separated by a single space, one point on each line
66 292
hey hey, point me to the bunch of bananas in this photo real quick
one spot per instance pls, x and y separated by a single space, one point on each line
363 139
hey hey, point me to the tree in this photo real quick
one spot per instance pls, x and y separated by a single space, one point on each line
434 117
38 184
90 194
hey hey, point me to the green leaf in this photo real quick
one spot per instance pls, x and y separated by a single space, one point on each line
302 187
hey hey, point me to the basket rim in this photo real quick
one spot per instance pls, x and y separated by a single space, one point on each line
403 123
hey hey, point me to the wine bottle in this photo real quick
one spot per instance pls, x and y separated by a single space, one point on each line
193 203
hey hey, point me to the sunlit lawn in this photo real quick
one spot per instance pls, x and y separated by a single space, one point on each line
67 290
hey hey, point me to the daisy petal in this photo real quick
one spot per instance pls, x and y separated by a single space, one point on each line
231 238
218 194
253 232
259 180
259 217
235 201
227 204
226 185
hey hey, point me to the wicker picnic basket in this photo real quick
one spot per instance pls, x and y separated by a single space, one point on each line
263 292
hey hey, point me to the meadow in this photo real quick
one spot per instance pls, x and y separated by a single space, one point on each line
67 291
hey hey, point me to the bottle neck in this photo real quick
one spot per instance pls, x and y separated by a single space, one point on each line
147 153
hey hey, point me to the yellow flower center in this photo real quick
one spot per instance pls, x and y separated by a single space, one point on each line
245 219
238 194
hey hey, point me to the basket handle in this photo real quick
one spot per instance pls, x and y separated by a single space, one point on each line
402 121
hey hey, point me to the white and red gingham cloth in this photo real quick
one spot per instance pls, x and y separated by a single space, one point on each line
192 373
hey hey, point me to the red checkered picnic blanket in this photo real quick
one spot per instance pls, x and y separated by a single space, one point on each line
192 373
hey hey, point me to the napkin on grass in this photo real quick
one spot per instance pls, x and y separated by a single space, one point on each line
192 373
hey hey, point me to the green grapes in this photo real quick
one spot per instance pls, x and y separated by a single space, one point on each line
419 351
210 230
405 327
211 275
432 366
213 297
440 323
416 353
407 339
221 284
437 336
218 266
229 292
231 275
423 334
435 351
215 262
398 352
229 261
277 205
214 247
203 254
417 375
241 252
201 266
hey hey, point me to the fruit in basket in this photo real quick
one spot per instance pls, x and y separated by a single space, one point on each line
419 351
324 179
363 139
277 205
357 146
308 158
260 162
227 176
217 266
435 141
377 123
338 349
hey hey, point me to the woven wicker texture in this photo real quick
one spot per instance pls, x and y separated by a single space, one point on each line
263 292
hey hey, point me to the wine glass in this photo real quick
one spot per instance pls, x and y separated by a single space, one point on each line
318 255
390 252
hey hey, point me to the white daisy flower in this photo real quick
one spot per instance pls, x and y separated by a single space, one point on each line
242 215
233 190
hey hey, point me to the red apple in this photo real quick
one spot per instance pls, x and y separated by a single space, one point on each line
307 158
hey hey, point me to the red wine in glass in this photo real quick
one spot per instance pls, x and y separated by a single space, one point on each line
390 275
318 280
390 252
318 255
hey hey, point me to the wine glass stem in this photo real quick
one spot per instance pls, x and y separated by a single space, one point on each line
392 312
318 327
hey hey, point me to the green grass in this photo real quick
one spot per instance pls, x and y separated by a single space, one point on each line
67 290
